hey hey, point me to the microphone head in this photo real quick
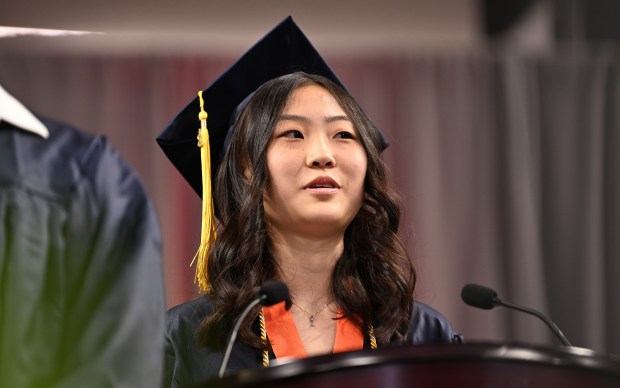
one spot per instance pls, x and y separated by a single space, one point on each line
479 296
272 292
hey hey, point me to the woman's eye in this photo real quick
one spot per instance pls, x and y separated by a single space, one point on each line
345 135
293 134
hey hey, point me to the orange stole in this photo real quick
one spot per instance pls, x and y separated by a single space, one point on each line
286 342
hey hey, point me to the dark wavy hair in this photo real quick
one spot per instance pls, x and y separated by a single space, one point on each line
373 280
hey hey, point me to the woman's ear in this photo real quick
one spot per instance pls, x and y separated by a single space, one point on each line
247 174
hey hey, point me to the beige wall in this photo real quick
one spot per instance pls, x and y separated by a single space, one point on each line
229 26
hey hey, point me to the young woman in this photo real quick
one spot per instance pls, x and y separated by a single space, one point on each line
302 197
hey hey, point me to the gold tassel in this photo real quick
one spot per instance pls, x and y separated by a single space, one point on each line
207 233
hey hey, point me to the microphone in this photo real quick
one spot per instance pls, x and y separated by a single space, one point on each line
486 298
272 292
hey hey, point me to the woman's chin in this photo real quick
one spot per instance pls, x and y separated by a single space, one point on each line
324 223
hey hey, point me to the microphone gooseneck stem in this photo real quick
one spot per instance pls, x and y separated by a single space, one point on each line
235 330
545 319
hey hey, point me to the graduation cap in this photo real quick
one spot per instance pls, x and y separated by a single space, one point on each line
282 51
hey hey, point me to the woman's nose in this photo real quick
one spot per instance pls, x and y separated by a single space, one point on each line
320 153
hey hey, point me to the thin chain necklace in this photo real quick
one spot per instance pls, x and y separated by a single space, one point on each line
263 337
312 317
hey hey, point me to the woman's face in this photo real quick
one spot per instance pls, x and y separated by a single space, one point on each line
316 165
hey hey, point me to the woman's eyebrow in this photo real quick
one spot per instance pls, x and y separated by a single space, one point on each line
304 119
338 118
290 117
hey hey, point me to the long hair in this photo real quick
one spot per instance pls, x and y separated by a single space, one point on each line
373 280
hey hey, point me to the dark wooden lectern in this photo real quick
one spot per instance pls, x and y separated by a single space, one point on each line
468 365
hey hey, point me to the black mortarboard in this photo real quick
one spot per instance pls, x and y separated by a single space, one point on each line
282 51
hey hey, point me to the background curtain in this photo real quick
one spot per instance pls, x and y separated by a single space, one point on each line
507 163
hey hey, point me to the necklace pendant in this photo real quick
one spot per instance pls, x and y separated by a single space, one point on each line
311 317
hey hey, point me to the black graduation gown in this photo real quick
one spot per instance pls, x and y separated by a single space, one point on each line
188 363
81 286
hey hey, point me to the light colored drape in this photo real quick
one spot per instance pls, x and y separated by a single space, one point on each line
510 169
507 162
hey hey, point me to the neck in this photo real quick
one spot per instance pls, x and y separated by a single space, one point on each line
306 266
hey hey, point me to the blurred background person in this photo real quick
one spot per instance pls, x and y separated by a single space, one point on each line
81 288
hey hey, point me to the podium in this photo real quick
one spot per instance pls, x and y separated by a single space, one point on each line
466 365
